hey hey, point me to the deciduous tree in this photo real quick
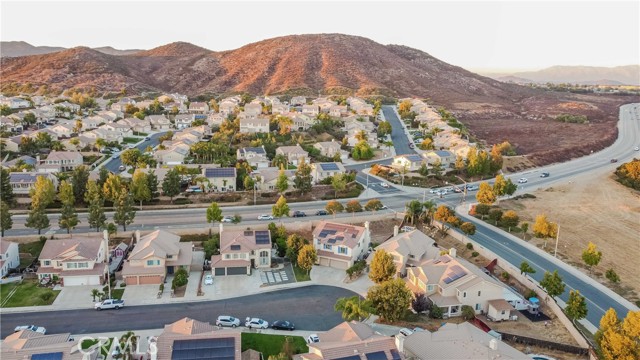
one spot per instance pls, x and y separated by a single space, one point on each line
171 184
307 257
140 187
445 215
485 194
303 180
282 183
373 205
510 219
295 242
526 269
543 228
612 276
68 216
499 185
6 222
390 299
124 212
334 207
384 129
576 308
214 213
382 267
93 198
591 256
43 193
468 228
281 208
353 206
339 183
552 283
112 187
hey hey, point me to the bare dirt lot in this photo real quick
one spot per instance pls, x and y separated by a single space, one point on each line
592 209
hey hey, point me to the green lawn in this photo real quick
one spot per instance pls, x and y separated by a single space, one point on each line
117 293
104 349
272 344
301 275
130 140
33 249
28 293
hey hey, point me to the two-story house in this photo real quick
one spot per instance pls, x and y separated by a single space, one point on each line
137 125
444 157
409 249
23 182
119 128
338 111
330 149
154 256
255 125
279 109
255 156
58 161
293 154
221 179
159 122
321 171
198 108
311 110
227 107
300 122
340 245
298 101
267 178
186 337
62 130
241 251
9 257
451 282
184 121
75 261
253 110
408 162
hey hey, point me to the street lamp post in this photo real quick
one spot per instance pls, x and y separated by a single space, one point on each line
464 194
555 252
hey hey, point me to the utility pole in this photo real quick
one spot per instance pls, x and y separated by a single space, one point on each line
555 252
105 235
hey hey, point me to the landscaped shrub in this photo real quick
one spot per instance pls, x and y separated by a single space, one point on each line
420 303
182 201
530 293
435 312
357 269
123 284
475 253
467 312
180 278
470 246
505 275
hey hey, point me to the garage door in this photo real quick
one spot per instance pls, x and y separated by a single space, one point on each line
325 261
81 280
218 272
150 279
131 280
242 270
339 264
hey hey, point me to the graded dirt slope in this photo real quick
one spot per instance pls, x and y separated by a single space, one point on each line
595 209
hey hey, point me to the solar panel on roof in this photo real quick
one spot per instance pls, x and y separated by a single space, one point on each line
262 237
331 241
378 355
414 158
214 349
329 167
248 233
339 238
352 357
447 280
47 356
220 172
262 233
323 234
331 232
235 247
395 355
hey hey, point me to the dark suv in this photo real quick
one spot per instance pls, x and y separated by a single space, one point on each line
298 214
322 212
544 174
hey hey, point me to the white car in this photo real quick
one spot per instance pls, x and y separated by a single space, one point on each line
313 338
227 219
225 320
384 185
522 180
265 217
38 329
636 148
208 279
256 323
405 332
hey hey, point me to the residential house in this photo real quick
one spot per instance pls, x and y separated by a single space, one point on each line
23 182
69 107
451 282
216 119
321 171
12 143
62 130
220 179
184 121
121 105
154 256
9 257
122 129
253 110
159 122
175 106
241 251
255 125
24 159
27 344
255 156
329 148
324 104
340 245
58 161
15 102
92 122
186 337
10 125
111 115
268 177
227 106
104 134
279 109
301 122
293 154
408 162
198 108
172 155
409 249
298 101
338 111
444 157
83 141
75 261
311 110
456 341
353 341
137 125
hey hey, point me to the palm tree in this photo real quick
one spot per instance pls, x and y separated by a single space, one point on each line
129 342
94 293
279 161
57 146
100 144
353 308
361 135
413 209
429 209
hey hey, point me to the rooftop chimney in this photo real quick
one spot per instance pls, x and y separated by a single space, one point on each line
493 344
452 252
395 230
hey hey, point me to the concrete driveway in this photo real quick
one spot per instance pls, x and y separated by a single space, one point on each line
324 275
73 297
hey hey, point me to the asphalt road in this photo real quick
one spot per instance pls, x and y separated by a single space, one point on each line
398 135
309 308
113 164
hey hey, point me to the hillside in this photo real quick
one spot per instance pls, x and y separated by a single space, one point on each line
583 75
21 48
333 63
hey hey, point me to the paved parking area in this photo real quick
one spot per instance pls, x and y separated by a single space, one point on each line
384 190
280 276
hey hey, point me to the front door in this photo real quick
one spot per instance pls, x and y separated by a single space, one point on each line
169 269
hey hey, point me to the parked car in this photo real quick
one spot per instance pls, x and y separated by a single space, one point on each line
227 219
147 138
38 329
109 304
115 156
405 332
412 145
544 174
522 180
313 338
636 148
298 214
122 168
472 187
265 217
225 320
194 189
322 212
383 207
384 185
208 279
614 160
283 325
256 323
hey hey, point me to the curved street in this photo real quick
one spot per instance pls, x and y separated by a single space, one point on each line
309 308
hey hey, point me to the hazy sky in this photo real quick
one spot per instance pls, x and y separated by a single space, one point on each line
472 34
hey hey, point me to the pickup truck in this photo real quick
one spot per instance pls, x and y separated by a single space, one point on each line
109 304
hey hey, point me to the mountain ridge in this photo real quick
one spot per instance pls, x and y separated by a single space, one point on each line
582 75
23 48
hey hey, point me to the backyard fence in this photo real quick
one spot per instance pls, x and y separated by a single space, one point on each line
544 344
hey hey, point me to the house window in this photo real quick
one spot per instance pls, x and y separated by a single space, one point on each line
342 250
47 263
169 256
227 256
235 256
502 312
83 265
478 292
411 256
464 294
72 265
150 262
327 247
477 306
